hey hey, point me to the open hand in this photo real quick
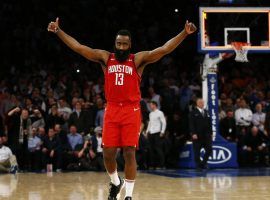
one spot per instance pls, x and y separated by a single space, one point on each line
54 26
190 27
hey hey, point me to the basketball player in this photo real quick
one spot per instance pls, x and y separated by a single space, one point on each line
122 119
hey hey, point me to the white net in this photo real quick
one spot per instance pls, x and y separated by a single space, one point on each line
241 51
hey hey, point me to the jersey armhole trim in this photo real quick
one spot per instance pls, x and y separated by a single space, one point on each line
133 60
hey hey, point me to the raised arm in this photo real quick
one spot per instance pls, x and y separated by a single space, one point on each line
96 55
146 57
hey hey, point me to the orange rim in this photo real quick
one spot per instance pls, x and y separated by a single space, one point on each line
239 45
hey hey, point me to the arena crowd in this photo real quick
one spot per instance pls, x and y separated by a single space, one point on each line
52 101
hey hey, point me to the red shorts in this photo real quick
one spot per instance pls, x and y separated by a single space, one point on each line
121 125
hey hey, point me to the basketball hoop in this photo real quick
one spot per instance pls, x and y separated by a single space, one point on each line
241 50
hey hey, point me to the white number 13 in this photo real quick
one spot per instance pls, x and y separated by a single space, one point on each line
119 79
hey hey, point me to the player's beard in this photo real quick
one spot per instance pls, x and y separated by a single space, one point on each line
121 55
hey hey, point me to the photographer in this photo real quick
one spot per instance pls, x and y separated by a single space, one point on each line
91 155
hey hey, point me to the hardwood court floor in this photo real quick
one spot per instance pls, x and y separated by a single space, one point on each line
94 186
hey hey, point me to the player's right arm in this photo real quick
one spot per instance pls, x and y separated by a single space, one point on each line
96 55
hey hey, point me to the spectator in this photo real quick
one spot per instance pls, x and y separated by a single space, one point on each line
63 109
253 149
51 151
91 155
243 117
54 118
228 127
62 135
89 112
41 133
185 94
100 113
78 119
258 118
154 97
19 129
37 99
8 162
71 158
34 149
37 119
74 137
156 132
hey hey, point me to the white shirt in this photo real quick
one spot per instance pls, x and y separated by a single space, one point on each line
157 122
5 153
243 116
99 143
201 110
257 119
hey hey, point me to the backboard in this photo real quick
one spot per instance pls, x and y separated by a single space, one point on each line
220 26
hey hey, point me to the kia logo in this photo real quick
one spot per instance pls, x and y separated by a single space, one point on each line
219 155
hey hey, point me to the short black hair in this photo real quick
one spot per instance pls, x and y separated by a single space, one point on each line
154 102
124 32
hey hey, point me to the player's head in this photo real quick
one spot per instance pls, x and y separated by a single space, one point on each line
122 45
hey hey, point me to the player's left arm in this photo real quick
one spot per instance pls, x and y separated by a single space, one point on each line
146 57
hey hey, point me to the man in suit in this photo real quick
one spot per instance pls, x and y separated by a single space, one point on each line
201 133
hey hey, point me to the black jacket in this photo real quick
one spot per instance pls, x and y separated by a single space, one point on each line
199 124
79 121
228 128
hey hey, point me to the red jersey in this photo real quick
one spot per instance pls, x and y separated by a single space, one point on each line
122 82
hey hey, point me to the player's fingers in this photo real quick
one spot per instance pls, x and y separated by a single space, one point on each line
57 20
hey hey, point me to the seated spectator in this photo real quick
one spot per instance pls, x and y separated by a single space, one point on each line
258 118
75 142
100 113
34 151
64 109
74 138
78 119
228 127
54 117
62 135
89 112
41 133
253 149
243 117
221 113
228 105
8 162
37 119
51 151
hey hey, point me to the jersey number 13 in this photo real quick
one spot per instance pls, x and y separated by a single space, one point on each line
119 78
